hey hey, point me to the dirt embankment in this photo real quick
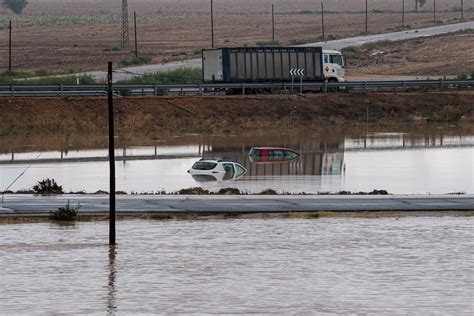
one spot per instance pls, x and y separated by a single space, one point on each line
435 57
211 114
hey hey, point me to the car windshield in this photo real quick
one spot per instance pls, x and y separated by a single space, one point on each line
202 165
255 152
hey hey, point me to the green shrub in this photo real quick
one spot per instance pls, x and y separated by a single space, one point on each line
351 52
193 191
112 49
65 213
268 192
17 79
180 75
268 43
229 191
296 42
142 59
47 186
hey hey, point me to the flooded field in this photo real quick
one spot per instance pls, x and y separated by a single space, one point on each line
412 265
433 160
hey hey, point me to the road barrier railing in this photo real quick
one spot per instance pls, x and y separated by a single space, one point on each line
235 88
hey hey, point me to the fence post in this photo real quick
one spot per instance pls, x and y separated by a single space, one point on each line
200 89
61 88
365 85
441 82
12 89
325 86
404 84
155 90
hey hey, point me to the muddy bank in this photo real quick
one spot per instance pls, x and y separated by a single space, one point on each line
189 216
211 114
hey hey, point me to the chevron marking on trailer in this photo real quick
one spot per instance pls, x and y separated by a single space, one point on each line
297 72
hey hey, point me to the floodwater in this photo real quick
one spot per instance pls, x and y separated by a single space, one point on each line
411 265
434 160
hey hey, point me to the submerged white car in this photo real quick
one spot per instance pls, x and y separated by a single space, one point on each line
216 170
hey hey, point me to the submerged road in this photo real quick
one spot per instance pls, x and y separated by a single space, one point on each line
30 204
127 73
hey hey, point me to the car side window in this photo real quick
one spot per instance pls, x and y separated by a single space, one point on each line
239 170
229 171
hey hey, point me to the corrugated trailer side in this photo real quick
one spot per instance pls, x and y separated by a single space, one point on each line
263 64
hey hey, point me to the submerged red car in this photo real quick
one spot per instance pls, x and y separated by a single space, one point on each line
271 154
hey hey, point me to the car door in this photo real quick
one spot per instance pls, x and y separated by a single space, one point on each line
229 171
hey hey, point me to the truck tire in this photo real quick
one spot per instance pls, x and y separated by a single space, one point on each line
333 89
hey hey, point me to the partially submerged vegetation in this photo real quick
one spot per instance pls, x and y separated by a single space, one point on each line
47 186
65 213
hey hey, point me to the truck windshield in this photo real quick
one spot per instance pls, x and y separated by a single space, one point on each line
336 59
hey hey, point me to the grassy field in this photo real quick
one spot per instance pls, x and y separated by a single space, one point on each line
64 37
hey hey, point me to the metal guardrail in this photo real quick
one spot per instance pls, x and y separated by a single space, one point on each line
213 88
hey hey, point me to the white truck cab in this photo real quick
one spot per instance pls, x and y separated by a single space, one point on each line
333 66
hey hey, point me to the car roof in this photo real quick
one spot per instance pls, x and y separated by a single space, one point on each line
272 148
214 160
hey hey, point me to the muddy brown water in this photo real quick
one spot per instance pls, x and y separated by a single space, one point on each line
432 159
384 266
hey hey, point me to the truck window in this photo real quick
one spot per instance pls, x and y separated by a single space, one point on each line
336 59
326 60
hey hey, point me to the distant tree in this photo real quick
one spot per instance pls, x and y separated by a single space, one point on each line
16 6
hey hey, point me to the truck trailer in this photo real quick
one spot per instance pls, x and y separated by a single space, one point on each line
272 64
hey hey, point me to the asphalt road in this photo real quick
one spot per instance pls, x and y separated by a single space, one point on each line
127 73
29 204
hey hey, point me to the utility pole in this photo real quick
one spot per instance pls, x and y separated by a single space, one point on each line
403 13
212 24
111 157
366 16
10 46
322 20
273 24
125 35
462 10
416 5
434 11
135 26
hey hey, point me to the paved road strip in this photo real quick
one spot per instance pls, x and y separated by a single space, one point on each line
30 204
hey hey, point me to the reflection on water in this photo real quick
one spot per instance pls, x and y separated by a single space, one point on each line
402 162
111 302
332 265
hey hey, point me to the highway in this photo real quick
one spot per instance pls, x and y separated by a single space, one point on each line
127 73
14 204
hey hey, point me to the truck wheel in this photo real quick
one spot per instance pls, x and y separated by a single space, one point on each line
333 89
